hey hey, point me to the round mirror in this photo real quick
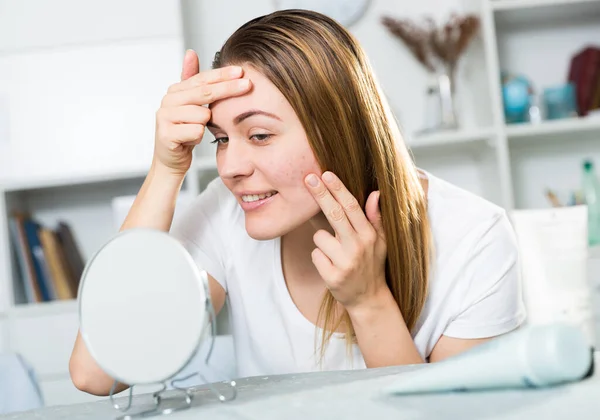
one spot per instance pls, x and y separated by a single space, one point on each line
143 307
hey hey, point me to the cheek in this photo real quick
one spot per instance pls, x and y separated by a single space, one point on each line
293 171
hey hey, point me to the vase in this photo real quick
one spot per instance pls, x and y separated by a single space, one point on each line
448 119
440 110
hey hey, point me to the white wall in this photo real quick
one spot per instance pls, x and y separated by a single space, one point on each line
80 82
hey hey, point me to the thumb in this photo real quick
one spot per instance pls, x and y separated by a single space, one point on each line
373 212
191 65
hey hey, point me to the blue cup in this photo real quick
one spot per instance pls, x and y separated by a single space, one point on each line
560 102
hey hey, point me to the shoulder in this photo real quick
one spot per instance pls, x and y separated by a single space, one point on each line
474 290
460 220
211 217
216 194
207 226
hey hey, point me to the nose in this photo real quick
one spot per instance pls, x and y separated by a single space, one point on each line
235 160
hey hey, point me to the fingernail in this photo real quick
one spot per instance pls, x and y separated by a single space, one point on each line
235 70
243 83
328 177
312 180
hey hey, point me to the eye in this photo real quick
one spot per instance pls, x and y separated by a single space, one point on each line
220 140
260 137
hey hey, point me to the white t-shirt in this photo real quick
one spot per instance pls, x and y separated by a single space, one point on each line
474 290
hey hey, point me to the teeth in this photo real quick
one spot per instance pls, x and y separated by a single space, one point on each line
256 197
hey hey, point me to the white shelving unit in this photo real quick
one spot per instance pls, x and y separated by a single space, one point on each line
512 164
508 164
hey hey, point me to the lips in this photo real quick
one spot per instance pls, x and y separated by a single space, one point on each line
252 197
255 200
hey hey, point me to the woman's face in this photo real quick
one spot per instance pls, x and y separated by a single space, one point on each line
263 156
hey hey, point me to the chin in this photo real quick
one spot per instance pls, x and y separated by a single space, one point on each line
275 223
264 230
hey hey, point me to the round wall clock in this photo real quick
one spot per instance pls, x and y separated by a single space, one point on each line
345 12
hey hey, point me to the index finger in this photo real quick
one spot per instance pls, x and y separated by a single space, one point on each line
333 210
191 65
349 203
208 77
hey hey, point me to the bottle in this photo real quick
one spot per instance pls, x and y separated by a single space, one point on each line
591 195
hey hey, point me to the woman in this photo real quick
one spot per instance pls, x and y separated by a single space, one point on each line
304 142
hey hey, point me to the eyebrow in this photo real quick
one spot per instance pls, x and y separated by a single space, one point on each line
237 120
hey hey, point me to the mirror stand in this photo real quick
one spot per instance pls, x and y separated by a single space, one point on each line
186 398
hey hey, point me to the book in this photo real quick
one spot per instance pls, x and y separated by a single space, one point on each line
39 262
48 261
24 260
584 72
75 262
57 263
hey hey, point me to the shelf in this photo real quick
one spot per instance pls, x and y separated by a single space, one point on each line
528 13
43 308
526 4
35 184
554 128
204 163
450 138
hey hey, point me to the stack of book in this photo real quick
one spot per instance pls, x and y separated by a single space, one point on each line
48 260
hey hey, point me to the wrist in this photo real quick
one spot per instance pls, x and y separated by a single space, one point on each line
166 176
369 309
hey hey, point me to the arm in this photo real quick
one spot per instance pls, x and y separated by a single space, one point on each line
153 207
352 265
180 125
382 335
491 306
384 339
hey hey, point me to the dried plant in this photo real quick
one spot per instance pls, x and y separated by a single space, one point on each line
417 39
435 46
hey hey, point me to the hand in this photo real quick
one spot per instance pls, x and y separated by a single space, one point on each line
181 119
352 263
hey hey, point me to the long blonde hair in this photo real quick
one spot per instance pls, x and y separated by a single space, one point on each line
325 75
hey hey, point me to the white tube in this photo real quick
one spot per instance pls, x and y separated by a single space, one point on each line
553 250
534 356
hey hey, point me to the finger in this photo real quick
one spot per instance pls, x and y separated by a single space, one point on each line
351 207
187 133
208 77
323 264
186 114
191 65
373 212
331 247
207 94
331 208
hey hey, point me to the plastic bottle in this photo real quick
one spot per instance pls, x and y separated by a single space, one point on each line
591 194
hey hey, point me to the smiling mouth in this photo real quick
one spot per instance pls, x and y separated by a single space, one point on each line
257 197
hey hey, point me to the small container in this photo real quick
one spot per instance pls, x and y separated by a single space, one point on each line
535 110
560 102
515 95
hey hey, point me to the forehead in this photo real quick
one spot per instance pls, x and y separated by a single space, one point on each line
263 95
